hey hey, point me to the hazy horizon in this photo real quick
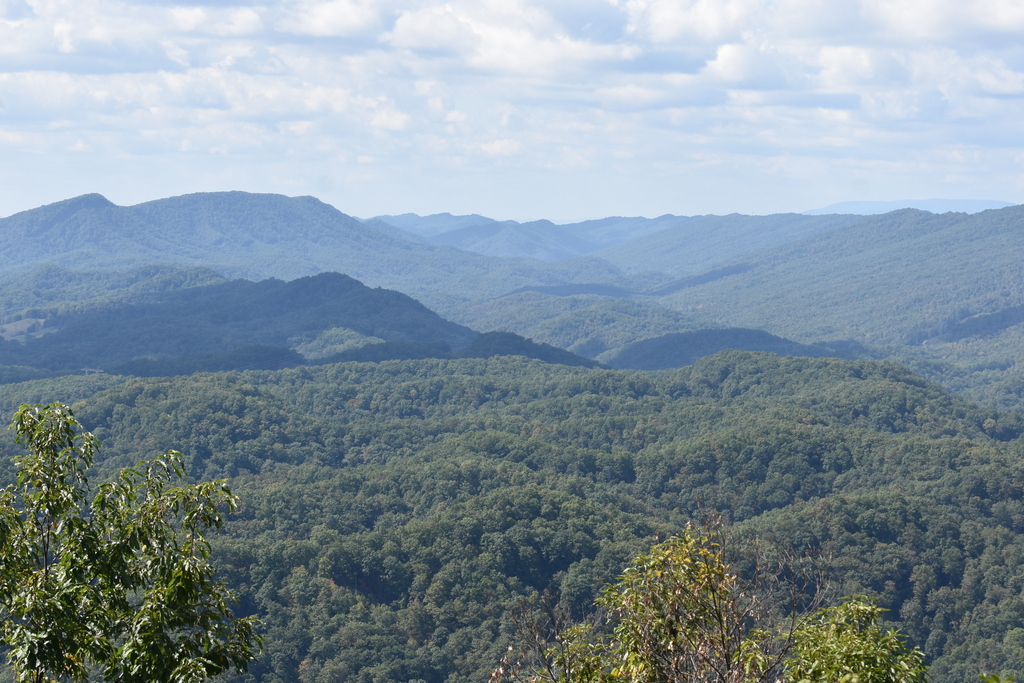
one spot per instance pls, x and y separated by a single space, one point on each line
564 110
865 208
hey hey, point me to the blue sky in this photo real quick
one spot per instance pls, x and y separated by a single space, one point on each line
516 109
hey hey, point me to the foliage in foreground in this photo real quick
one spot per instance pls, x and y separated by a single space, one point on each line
122 583
683 613
846 643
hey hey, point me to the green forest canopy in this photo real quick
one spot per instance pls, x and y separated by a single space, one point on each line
393 514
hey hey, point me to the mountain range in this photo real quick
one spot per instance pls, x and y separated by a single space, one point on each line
260 236
941 292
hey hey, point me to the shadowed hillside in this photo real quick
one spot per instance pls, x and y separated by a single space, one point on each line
220 318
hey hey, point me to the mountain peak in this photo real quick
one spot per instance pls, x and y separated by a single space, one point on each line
93 200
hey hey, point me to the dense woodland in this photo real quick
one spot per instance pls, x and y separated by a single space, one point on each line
395 513
418 455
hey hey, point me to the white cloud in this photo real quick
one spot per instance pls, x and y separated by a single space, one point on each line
188 18
633 94
704 21
387 117
750 65
501 148
331 17
437 28
62 34
240 22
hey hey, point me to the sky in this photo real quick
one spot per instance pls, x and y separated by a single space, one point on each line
514 109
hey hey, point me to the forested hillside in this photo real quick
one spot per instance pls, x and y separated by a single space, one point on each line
239 325
678 349
55 288
320 315
901 278
394 513
589 325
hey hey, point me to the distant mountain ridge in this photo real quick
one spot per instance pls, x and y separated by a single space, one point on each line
435 224
541 239
931 205
257 236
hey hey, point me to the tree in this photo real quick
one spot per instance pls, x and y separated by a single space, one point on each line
845 643
679 613
682 614
120 585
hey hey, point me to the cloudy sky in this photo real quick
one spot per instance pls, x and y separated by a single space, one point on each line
563 109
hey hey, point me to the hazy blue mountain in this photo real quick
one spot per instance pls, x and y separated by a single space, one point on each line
932 205
691 247
257 236
540 239
490 344
586 288
607 232
429 226
666 288
952 280
51 286
393 231
243 325
942 292
233 232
